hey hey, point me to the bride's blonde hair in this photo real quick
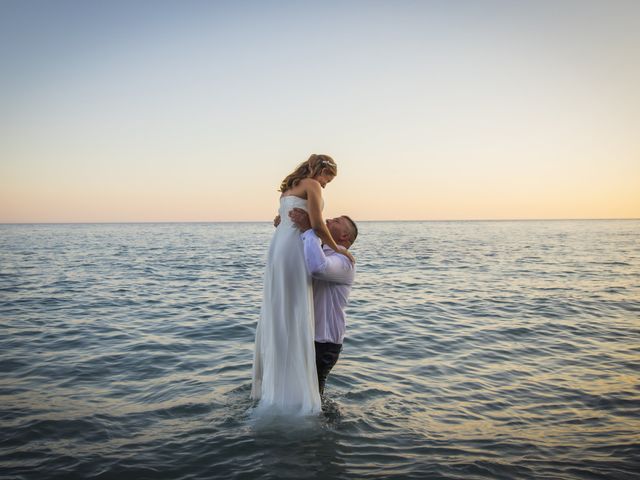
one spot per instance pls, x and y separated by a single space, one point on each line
315 165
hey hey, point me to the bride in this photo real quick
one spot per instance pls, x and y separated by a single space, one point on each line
284 370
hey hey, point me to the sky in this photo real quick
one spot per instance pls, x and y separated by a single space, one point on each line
152 111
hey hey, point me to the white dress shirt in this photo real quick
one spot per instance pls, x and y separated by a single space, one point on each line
333 275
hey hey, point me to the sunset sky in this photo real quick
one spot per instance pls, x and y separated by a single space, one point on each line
195 110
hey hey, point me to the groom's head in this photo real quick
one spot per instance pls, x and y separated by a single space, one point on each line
343 230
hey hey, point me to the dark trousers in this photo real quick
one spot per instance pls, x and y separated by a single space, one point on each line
326 357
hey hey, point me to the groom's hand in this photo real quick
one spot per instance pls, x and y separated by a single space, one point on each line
276 221
300 218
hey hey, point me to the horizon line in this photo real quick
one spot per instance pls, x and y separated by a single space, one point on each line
359 221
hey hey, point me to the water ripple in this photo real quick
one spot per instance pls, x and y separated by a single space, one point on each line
475 350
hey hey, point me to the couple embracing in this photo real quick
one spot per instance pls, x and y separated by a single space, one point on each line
308 277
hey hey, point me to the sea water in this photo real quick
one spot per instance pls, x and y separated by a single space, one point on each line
474 350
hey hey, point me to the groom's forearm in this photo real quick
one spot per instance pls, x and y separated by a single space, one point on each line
314 257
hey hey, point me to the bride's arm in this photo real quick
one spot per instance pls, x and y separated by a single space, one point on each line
314 204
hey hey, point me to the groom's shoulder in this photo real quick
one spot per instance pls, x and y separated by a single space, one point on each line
345 260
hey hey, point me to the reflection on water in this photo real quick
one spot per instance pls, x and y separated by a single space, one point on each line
474 350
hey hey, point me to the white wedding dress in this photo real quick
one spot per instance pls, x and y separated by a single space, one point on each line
284 367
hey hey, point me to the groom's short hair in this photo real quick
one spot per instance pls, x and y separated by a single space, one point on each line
353 234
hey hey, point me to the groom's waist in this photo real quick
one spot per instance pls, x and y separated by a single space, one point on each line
327 331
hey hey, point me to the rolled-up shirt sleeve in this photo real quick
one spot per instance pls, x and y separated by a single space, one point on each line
330 268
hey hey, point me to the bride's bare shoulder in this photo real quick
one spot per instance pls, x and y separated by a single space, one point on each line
303 187
309 183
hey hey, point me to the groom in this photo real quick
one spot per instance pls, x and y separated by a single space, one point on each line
333 275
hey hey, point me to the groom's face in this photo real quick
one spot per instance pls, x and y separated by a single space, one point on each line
339 228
